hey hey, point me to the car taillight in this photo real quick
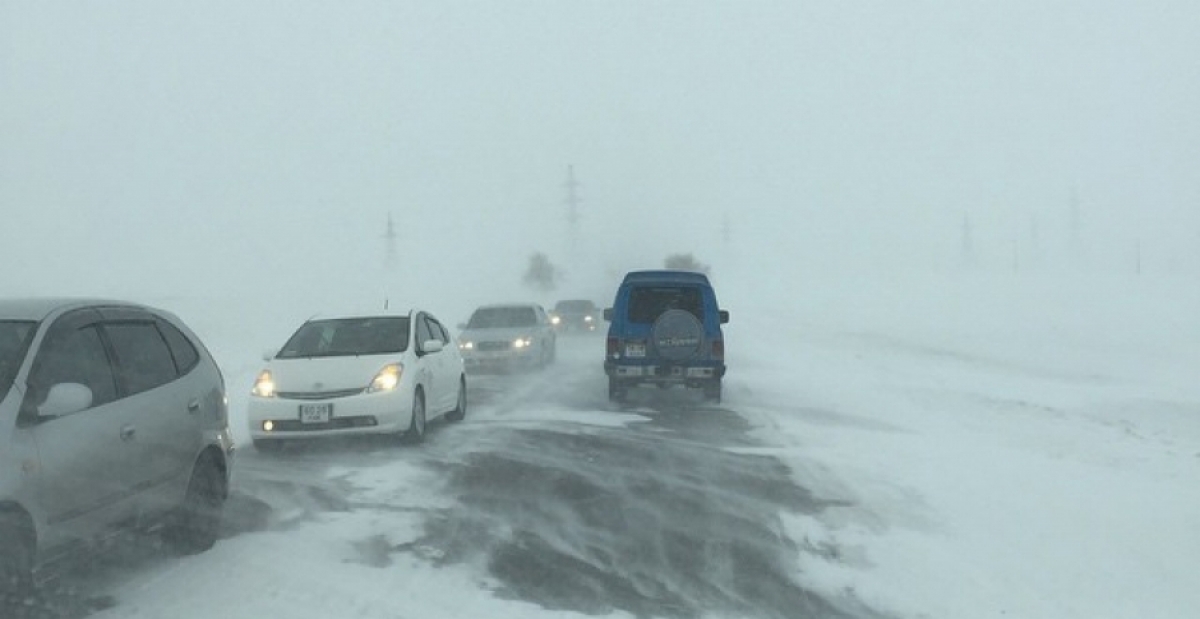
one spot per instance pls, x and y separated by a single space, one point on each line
718 349
614 346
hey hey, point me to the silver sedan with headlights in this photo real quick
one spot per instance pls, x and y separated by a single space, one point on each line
347 375
510 336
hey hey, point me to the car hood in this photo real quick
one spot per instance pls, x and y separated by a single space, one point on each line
490 335
327 373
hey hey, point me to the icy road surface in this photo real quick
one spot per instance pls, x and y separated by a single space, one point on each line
546 499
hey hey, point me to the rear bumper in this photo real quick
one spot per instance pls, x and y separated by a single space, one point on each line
665 373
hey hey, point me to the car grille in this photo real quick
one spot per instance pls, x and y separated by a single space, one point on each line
337 423
493 346
318 395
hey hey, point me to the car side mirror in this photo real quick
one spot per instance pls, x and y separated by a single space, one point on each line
268 354
432 346
724 314
64 399
462 326
608 314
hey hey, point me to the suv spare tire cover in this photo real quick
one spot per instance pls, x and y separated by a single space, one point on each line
677 335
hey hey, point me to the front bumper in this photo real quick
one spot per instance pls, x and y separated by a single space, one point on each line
500 360
366 413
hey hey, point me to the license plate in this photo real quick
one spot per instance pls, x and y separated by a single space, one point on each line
635 350
315 413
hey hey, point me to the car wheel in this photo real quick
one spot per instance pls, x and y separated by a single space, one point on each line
16 558
617 392
416 427
460 409
196 524
712 391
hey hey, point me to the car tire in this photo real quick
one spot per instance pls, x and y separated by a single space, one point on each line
16 558
196 524
617 392
460 409
712 391
416 427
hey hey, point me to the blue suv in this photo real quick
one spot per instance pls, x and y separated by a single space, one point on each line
665 329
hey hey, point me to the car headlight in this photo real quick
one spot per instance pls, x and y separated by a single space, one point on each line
466 345
264 385
522 342
387 379
555 320
587 318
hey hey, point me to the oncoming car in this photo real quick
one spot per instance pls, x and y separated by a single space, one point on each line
509 336
114 416
369 374
575 315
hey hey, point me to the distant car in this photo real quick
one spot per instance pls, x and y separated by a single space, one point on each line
510 336
354 375
114 415
665 329
575 315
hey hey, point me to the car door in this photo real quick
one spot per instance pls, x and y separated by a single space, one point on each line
86 463
427 362
446 367
162 409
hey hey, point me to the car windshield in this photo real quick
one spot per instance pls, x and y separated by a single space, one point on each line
14 340
574 307
344 337
502 318
647 303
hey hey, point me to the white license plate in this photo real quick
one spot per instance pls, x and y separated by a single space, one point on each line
315 413
635 350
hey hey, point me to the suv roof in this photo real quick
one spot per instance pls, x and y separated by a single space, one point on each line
666 275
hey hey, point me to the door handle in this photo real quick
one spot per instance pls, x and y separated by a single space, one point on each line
194 406
128 432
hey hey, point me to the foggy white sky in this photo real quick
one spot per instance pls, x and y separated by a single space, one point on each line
263 141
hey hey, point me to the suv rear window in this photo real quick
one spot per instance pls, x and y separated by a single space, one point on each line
647 303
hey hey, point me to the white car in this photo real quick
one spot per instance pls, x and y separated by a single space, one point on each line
348 375
508 336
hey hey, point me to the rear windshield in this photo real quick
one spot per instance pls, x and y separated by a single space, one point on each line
502 317
14 341
345 337
575 307
647 303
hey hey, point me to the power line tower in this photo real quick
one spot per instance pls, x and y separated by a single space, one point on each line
572 200
389 238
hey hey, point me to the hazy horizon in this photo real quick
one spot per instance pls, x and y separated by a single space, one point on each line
156 145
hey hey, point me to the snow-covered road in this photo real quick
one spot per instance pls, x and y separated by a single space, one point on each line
883 472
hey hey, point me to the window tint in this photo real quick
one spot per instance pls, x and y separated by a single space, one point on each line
424 333
439 331
143 359
14 341
185 354
347 337
647 303
74 356
501 317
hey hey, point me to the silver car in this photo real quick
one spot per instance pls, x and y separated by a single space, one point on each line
114 416
510 336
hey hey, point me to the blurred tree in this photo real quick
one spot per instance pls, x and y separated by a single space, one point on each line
685 262
541 273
